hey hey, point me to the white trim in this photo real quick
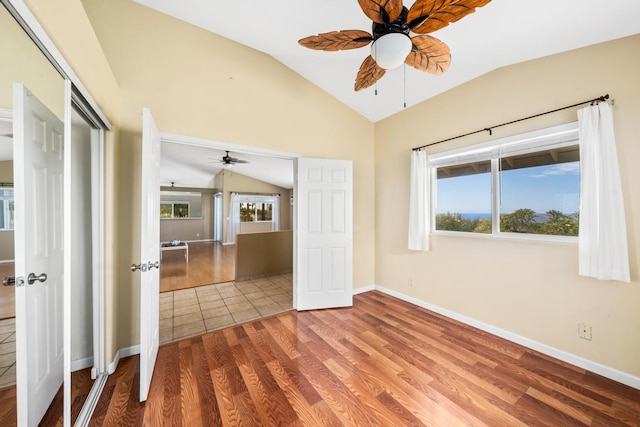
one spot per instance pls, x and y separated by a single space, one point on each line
91 401
67 261
561 135
562 355
236 148
120 354
364 289
79 364
7 261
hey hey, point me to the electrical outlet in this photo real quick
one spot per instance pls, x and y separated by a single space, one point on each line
584 331
410 281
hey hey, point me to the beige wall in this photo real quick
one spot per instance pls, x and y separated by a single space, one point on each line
22 62
202 85
6 236
235 182
263 254
528 288
197 228
206 86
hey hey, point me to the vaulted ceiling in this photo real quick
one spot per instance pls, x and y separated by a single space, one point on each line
501 33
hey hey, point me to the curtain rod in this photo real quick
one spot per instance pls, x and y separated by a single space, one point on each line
6 184
602 98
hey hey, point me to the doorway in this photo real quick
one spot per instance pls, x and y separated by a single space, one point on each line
214 300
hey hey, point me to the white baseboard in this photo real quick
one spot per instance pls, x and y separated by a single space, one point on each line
7 261
79 364
121 353
364 289
199 241
581 362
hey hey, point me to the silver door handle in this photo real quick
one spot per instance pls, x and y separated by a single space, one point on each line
152 265
11 281
32 278
142 267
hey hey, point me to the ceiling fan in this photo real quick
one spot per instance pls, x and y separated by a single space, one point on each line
392 43
227 161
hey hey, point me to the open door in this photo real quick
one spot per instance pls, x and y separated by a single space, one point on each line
39 249
149 252
323 270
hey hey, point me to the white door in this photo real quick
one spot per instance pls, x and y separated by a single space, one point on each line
149 252
39 249
323 270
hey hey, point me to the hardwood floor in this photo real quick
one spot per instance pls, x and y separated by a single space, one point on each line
383 362
82 384
7 293
209 262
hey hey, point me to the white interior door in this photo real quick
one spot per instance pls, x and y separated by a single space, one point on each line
323 254
39 249
149 252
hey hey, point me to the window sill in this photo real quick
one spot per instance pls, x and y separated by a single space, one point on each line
529 238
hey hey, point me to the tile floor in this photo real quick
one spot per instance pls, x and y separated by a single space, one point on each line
7 352
195 311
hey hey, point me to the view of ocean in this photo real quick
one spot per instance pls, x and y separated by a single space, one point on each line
539 217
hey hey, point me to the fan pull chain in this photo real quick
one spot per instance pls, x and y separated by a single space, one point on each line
376 89
404 83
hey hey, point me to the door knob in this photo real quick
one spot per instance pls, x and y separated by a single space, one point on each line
142 267
32 278
11 281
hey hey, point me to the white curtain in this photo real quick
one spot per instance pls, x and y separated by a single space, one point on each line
275 215
603 250
419 215
234 218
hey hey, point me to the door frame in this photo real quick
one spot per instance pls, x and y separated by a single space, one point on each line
81 96
238 148
99 368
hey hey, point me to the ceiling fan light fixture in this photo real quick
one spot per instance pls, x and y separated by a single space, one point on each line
390 50
227 165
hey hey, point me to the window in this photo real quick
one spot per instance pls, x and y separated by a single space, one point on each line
256 211
528 184
174 209
178 204
7 209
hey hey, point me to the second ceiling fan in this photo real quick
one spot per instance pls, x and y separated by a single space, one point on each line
392 43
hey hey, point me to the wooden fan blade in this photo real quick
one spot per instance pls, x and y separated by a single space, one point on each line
381 11
368 74
429 55
337 40
427 16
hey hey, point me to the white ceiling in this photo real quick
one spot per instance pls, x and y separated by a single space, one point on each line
195 166
501 33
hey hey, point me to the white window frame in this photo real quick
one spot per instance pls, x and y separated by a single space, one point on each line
5 225
539 140
255 199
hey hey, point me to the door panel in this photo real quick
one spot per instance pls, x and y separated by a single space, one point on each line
38 175
324 242
149 252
